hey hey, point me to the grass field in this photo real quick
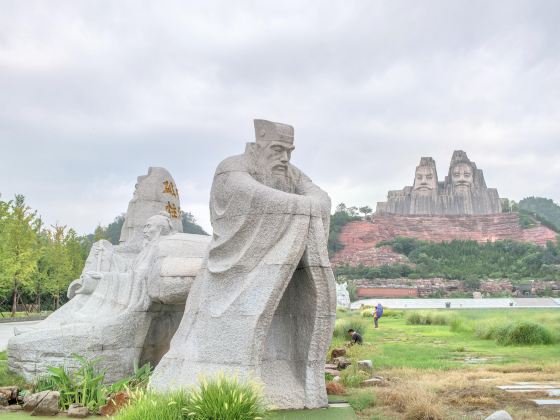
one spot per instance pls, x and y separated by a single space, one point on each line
445 370
449 371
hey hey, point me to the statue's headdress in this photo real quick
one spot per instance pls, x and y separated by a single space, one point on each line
271 131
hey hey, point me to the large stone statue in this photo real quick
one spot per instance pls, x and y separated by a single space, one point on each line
342 295
263 305
463 192
126 305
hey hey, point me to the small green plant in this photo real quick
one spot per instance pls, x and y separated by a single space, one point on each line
362 400
84 384
352 376
224 398
138 380
148 405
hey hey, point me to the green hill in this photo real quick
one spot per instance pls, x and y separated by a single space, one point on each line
546 210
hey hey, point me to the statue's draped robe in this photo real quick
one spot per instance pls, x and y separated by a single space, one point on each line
107 322
263 304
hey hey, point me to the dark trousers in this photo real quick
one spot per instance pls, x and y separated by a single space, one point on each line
375 321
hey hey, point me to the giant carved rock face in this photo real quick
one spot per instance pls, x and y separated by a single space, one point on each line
462 177
425 180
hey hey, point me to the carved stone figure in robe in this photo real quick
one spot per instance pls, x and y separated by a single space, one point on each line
124 308
263 304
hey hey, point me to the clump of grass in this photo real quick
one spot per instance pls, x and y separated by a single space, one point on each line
149 405
428 318
8 378
225 398
414 402
459 325
352 376
343 325
517 333
361 400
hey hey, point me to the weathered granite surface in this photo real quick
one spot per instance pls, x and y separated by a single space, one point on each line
128 302
263 305
463 192
153 193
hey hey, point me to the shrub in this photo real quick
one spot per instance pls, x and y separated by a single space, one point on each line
518 333
343 325
83 385
352 376
223 398
147 405
362 400
335 388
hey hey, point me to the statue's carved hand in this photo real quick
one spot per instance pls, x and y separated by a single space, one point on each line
89 282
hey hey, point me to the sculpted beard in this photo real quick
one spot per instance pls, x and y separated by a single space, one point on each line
262 172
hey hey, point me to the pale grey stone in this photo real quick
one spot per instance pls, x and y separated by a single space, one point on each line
77 411
546 402
365 364
463 192
128 302
499 415
263 304
43 403
375 381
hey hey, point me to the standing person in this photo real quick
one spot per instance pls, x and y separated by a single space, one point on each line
377 313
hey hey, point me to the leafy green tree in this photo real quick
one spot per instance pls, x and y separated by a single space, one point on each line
544 208
19 262
100 233
365 210
113 230
190 225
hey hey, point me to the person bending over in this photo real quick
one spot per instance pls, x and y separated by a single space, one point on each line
355 338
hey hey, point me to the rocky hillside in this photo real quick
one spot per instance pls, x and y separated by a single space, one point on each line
359 238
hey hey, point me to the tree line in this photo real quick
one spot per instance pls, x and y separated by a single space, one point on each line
466 260
38 262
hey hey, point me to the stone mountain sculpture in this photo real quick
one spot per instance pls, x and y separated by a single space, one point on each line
129 300
263 305
463 191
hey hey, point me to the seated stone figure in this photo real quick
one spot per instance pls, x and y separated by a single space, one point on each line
263 304
124 308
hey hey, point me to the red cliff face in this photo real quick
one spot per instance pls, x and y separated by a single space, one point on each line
359 238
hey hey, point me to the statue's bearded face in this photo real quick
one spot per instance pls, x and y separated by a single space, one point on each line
462 177
275 155
425 179
272 169
154 227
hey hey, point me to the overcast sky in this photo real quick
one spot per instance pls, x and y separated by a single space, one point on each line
92 93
